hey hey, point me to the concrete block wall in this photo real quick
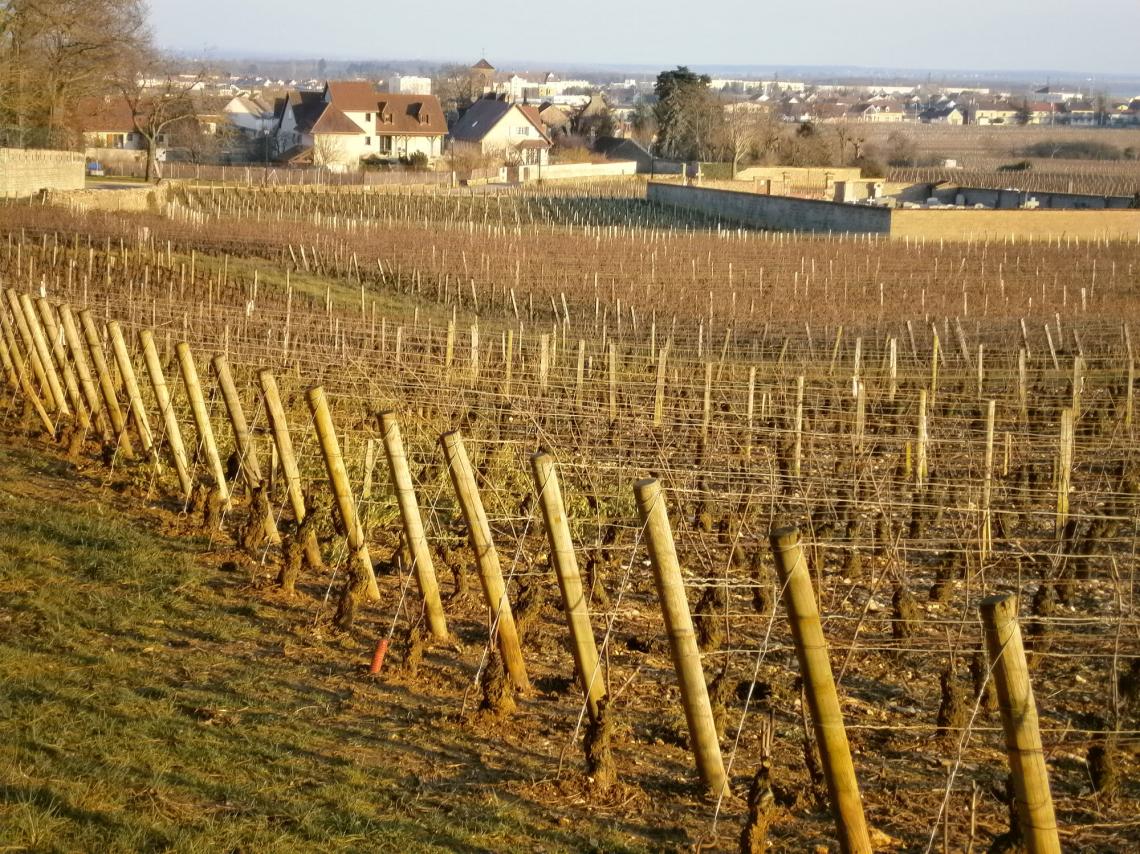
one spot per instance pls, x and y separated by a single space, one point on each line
25 172
775 212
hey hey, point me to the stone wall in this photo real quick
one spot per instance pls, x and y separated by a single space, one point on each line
781 213
778 213
25 172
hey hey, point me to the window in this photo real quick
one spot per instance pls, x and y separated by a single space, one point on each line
367 141
522 131
368 117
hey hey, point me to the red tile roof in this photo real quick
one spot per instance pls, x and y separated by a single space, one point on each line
418 115
353 96
333 120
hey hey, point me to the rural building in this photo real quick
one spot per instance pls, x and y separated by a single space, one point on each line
992 113
619 148
496 128
249 115
942 115
408 84
349 121
107 123
555 118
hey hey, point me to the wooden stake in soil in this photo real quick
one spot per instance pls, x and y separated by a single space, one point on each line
248 464
920 467
682 639
283 442
20 368
1064 469
486 557
106 385
342 492
43 355
83 370
166 408
59 353
202 420
569 581
1033 799
413 525
819 685
134 398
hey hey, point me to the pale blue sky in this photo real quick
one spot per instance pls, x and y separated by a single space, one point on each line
1075 35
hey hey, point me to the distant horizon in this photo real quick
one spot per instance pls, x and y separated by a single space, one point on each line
1062 38
1044 75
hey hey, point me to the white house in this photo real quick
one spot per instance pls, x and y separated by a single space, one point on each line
350 121
497 128
408 84
249 115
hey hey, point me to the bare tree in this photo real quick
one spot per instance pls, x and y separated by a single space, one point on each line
156 101
54 52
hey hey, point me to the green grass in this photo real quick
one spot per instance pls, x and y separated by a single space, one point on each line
152 702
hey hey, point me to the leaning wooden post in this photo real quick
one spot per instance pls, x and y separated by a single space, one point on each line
59 353
127 372
342 493
202 420
106 385
21 369
682 639
1128 395
413 524
486 557
31 358
165 406
819 686
43 354
247 454
1033 799
83 370
569 580
284 444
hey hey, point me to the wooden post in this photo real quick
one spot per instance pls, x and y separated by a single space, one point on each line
43 355
165 407
819 686
987 488
486 557
1033 799
1128 395
798 450
59 354
580 372
31 359
413 524
202 420
613 381
508 357
750 409
247 453
569 581
130 382
22 371
706 405
1064 469
83 370
921 467
106 386
1022 387
659 391
283 442
682 639
342 492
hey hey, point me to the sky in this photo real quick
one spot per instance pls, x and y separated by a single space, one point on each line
1094 36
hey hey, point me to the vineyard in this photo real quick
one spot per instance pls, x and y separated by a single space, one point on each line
531 457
